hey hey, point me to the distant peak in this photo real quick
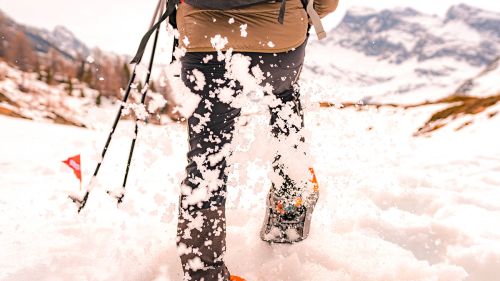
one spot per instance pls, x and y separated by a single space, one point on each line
62 31
461 11
407 11
358 11
361 11
464 7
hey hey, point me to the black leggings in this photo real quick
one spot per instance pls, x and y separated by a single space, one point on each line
201 228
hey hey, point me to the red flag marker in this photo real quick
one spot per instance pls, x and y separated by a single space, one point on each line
75 164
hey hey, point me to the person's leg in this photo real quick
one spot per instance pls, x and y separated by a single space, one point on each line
287 122
201 227
290 202
287 116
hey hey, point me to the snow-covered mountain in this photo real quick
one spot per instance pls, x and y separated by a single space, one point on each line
42 40
403 55
486 83
465 34
60 37
483 21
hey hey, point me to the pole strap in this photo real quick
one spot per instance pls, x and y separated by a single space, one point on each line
171 7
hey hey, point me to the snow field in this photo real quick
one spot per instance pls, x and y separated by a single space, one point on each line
392 207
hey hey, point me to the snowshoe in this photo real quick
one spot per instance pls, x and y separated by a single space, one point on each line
288 223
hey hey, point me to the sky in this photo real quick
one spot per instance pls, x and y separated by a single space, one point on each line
118 25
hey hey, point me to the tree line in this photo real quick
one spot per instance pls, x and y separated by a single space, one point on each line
104 72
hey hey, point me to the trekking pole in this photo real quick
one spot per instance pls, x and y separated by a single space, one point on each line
81 202
119 196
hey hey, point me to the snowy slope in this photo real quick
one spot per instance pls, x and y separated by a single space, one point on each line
392 207
484 84
23 95
34 99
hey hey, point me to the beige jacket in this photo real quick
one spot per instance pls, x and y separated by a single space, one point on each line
250 29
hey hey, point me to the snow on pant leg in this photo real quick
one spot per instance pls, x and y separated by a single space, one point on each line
201 228
287 118
287 122
201 238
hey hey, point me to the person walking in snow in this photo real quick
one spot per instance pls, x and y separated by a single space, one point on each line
266 39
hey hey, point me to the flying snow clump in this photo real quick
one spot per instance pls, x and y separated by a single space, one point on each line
243 30
199 78
208 58
185 41
218 42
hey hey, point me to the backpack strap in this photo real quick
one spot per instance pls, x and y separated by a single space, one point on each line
281 17
171 8
315 20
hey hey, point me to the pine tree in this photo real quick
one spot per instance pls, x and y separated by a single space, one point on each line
80 73
140 86
98 99
125 75
39 75
152 86
70 86
50 76
55 66
88 77
3 44
3 37
20 52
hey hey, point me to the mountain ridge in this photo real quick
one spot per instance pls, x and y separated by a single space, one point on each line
59 38
373 33
402 55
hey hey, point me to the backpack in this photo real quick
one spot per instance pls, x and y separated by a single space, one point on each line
233 4
223 4
170 13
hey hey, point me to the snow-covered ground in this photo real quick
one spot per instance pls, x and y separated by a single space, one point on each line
392 206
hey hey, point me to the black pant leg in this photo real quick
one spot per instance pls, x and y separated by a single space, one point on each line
201 232
286 115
